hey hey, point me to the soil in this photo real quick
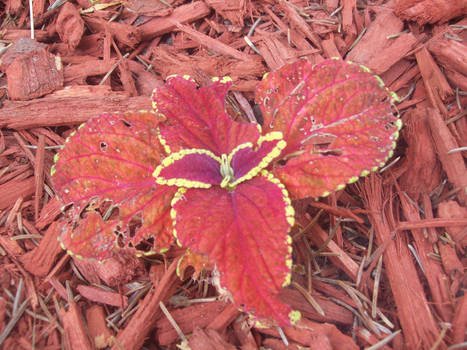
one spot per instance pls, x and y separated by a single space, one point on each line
378 265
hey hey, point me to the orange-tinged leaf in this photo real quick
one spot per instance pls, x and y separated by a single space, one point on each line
337 120
111 159
91 238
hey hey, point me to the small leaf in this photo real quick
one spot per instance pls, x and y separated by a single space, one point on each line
245 232
337 121
191 168
196 118
111 158
247 162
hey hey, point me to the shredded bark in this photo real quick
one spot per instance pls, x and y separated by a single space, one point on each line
380 264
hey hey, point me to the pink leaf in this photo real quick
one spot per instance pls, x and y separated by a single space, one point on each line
244 232
111 158
337 121
196 118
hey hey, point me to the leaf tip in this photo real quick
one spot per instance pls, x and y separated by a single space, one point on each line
295 316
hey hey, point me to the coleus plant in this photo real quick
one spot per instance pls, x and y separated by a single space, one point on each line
223 188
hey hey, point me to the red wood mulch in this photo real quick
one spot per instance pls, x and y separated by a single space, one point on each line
379 265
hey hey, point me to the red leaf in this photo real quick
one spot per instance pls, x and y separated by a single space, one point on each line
337 121
196 118
111 158
244 231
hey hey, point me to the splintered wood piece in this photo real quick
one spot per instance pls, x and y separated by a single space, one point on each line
296 37
101 296
213 44
243 333
146 81
113 272
13 7
453 164
3 309
451 209
405 80
15 34
87 269
208 340
79 72
12 190
144 319
331 5
333 313
198 315
48 213
70 26
396 71
70 106
123 33
126 78
451 263
457 79
297 22
429 11
76 336
349 6
419 327
150 8
370 339
275 51
97 328
421 168
38 7
39 175
459 323
119 270
330 48
436 85
339 257
182 14
450 54
225 318
337 211
378 52
31 70
40 260
432 269
314 335
232 10
12 247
